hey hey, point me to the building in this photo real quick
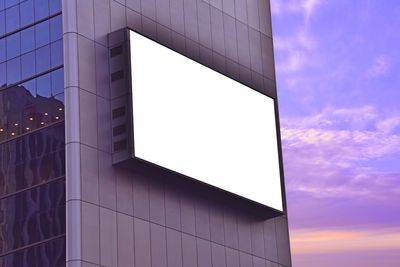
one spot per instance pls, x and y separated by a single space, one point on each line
62 200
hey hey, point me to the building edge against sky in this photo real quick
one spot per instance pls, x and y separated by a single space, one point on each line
119 217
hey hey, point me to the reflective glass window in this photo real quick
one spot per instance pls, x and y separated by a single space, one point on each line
2 23
3 78
13 70
1 4
55 6
11 3
27 40
55 28
42 32
57 81
56 53
52 253
43 85
60 97
28 65
33 215
41 9
2 49
12 19
43 59
13 45
30 86
27 13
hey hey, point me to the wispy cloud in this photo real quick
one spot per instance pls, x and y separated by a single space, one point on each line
322 153
314 241
303 7
379 67
295 49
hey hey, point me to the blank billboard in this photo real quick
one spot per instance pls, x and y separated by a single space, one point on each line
197 122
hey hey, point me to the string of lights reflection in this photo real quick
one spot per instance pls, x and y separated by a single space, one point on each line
42 123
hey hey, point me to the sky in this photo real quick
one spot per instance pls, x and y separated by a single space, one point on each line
338 80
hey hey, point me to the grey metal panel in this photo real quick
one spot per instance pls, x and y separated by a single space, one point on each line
217 224
218 255
189 251
232 257
257 238
157 203
202 219
158 245
282 240
172 208
174 248
246 260
141 205
142 243
203 253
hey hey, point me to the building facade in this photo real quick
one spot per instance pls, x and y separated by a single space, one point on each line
63 202
32 135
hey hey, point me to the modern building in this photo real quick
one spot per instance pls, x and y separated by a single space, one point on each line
72 190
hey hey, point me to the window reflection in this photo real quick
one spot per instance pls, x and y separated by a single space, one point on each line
32 216
49 254
30 106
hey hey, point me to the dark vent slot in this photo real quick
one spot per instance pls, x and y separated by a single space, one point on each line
118 75
120 145
120 129
116 51
118 112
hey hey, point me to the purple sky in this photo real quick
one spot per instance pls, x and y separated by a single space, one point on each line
338 78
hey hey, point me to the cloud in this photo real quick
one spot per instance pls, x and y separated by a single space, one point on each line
322 154
295 50
303 7
380 66
314 241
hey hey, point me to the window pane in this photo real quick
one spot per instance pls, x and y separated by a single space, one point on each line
3 80
2 23
42 31
27 40
11 3
12 19
41 9
56 28
57 81
55 6
13 71
60 97
28 65
43 85
13 45
1 4
30 86
42 59
2 49
27 14
56 54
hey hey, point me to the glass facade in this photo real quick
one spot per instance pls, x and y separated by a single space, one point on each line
32 142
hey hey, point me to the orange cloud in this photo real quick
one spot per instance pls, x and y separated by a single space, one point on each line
329 241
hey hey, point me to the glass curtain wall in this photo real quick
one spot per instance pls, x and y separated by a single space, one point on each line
32 142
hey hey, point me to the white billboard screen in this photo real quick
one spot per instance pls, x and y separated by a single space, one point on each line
195 121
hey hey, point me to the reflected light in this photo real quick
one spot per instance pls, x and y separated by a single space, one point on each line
46 113
42 123
12 134
1 130
31 119
59 109
27 128
57 118
16 124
